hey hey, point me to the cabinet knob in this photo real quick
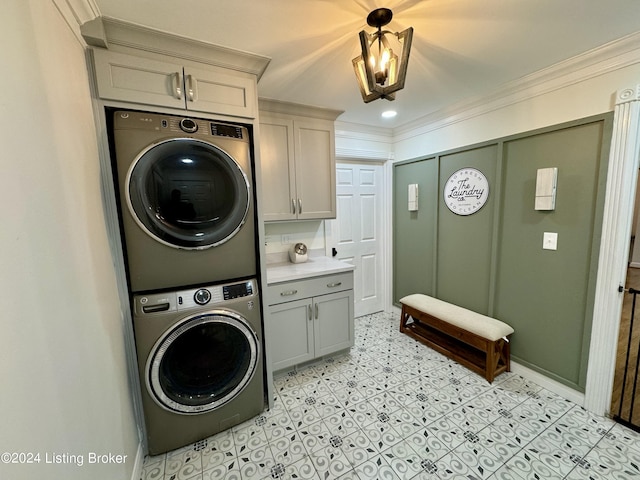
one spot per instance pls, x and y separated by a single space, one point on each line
288 293
334 284
293 206
310 312
316 311
299 206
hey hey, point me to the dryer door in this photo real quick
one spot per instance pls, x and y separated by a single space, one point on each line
187 193
203 362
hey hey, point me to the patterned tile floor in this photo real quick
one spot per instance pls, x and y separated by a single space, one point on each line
394 409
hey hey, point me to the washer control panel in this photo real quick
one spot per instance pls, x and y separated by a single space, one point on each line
155 303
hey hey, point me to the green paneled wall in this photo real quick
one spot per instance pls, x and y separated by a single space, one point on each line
464 242
414 232
544 294
492 261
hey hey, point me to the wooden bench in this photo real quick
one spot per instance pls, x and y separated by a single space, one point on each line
476 341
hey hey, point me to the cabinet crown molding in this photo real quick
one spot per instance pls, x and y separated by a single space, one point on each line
278 106
105 32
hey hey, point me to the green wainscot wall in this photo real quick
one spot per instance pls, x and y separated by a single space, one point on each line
492 261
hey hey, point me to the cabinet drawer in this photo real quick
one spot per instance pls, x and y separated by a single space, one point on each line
309 287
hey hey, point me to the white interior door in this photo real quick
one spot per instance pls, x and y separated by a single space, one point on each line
357 231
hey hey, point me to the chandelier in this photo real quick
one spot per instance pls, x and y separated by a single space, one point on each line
384 71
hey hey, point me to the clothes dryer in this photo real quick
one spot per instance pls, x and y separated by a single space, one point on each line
200 359
186 202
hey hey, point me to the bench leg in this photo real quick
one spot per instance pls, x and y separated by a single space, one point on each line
404 318
492 361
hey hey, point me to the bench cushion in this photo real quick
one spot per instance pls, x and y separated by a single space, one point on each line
481 325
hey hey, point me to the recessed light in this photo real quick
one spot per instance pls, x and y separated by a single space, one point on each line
389 114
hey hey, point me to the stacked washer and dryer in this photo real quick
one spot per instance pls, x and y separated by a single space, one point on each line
189 229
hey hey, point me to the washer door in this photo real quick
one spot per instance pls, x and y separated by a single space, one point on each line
203 362
187 193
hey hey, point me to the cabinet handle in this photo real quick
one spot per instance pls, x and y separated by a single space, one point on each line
177 85
310 312
299 206
192 87
288 293
334 284
316 305
293 205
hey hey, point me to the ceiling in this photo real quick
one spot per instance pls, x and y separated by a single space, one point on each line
462 49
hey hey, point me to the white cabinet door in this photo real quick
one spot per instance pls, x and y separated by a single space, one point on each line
291 329
143 81
333 322
216 92
278 168
315 169
138 80
298 167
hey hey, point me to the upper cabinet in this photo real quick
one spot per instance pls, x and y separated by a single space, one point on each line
141 80
143 66
297 156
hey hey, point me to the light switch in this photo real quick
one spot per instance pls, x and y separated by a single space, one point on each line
550 241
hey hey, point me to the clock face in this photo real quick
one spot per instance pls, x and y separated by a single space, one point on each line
466 191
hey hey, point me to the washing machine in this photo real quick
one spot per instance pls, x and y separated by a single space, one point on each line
186 204
200 359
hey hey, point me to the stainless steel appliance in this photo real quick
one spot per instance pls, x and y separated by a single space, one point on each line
186 202
200 360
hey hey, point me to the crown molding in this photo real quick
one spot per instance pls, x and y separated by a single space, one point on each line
107 32
607 58
278 106
75 13
359 154
360 131
352 137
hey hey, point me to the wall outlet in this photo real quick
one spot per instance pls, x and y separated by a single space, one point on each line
285 239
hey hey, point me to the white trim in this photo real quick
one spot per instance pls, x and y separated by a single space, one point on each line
121 35
362 155
548 383
361 142
607 58
75 13
634 264
387 237
614 249
138 463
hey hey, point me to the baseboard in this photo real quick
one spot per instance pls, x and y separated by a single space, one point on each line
548 383
137 466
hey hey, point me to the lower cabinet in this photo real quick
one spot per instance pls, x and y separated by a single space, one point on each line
313 326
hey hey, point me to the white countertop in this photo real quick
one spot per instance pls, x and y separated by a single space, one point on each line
313 267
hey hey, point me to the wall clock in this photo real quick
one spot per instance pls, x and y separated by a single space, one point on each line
466 191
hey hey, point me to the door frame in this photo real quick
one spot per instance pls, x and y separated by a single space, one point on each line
622 178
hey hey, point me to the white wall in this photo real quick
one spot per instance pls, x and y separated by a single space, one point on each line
581 93
62 357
